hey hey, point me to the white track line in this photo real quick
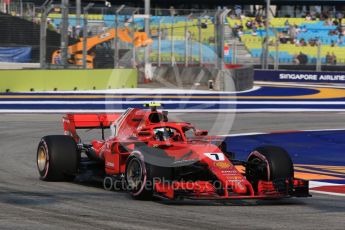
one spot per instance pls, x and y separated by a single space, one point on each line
233 102
282 132
299 85
147 91
254 110
316 184
328 193
241 134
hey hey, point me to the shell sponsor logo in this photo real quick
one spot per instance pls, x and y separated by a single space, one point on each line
234 178
222 164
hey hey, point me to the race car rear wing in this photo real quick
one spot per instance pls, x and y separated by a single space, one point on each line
72 122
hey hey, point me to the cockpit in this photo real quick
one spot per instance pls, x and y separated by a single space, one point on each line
167 133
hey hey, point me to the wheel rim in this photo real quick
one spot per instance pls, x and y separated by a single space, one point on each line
134 174
41 159
259 171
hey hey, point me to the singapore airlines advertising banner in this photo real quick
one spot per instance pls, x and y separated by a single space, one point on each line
299 76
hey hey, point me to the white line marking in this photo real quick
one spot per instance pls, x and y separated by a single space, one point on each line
315 184
262 83
313 130
328 193
285 131
233 102
254 110
241 134
147 91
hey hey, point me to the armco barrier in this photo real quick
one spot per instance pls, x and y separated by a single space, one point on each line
299 76
53 80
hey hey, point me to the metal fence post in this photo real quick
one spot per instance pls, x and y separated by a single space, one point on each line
172 40
78 11
21 8
200 37
85 35
234 52
200 41
133 33
187 37
276 59
221 42
216 27
220 38
186 43
191 50
318 60
147 30
43 40
64 32
160 42
45 8
265 52
116 37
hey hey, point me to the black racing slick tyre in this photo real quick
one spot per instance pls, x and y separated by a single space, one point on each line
57 158
269 163
142 171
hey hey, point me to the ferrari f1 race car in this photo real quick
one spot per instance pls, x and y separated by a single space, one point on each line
152 156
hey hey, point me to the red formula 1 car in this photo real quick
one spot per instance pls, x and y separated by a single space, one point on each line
153 156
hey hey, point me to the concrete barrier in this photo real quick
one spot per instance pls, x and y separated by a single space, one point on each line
14 65
53 80
238 78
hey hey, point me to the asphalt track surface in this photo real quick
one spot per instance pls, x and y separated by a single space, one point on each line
28 203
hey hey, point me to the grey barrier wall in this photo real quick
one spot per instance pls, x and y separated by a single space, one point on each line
243 77
234 79
299 76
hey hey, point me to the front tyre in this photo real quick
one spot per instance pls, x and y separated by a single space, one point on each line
269 163
57 158
144 167
138 179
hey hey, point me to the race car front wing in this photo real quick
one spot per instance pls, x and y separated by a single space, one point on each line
205 190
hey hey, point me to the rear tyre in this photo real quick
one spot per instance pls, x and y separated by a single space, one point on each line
142 171
269 163
57 158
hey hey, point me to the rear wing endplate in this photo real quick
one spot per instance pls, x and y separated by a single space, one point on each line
72 122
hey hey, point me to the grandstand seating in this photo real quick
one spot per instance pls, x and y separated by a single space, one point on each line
313 29
253 43
286 52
